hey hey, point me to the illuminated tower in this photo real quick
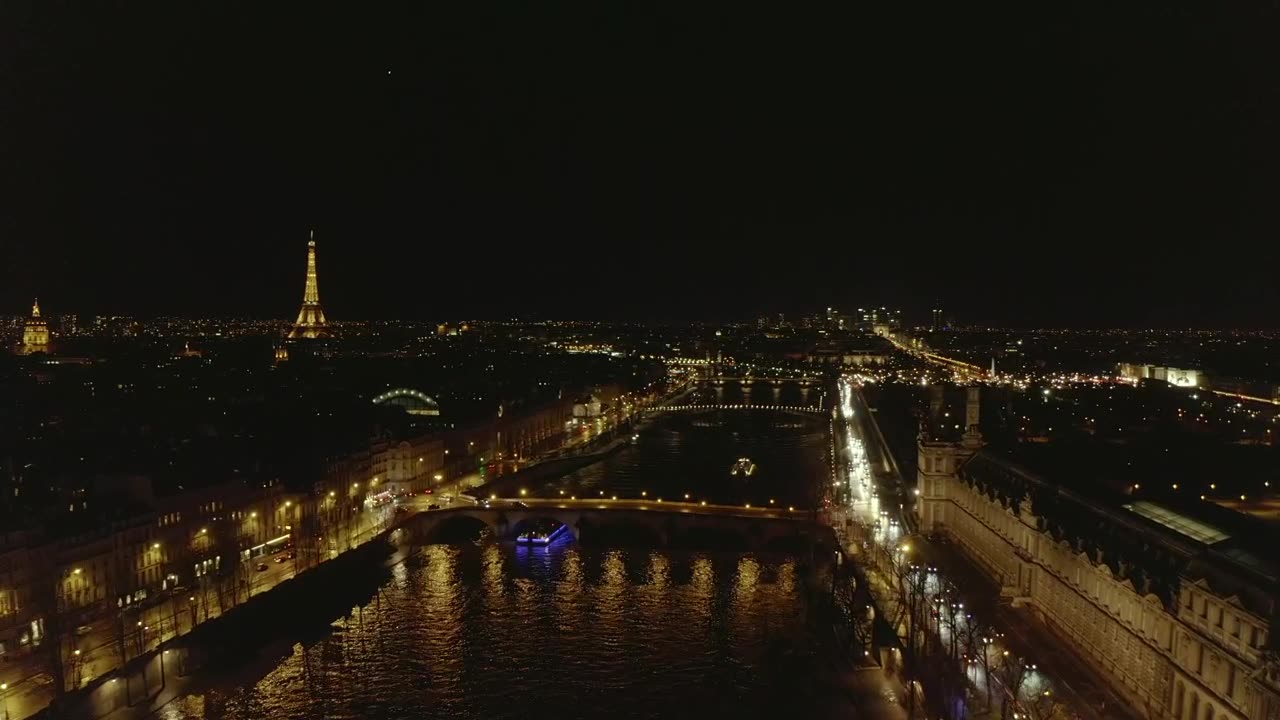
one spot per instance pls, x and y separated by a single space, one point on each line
311 322
35 334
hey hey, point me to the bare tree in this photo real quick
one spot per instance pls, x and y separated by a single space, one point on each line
53 606
178 565
983 653
205 564
1043 705
859 618
910 613
232 571
306 540
971 633
1011 672
950 619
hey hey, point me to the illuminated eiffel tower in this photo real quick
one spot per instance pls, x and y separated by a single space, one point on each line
311 322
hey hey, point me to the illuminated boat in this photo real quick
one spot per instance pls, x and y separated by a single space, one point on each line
743 467
540 537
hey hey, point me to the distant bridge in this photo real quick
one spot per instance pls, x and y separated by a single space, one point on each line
664 522
739 406
414 402
750 380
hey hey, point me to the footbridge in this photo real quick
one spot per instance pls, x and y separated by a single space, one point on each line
738 406
664 523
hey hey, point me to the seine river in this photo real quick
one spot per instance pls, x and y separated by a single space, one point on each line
490 630
693 453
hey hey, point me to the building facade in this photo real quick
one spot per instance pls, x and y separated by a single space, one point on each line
49 582
162 542
1172 611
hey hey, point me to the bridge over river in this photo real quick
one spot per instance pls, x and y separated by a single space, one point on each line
664 522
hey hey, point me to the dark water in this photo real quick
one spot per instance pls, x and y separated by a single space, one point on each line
693 453
496 631
487 630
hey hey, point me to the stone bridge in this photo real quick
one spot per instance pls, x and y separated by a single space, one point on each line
672 523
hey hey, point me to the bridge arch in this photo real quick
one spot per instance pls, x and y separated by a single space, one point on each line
459 527
414 402
711 536
624 529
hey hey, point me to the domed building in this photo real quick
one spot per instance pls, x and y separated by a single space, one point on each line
35 334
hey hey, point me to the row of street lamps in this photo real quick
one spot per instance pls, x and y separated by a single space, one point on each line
917 580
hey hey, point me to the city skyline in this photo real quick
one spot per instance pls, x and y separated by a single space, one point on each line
880 361
927 312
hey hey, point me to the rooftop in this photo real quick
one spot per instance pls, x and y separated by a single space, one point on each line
1189 527
1154 536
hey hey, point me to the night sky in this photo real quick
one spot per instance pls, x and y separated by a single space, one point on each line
1094 163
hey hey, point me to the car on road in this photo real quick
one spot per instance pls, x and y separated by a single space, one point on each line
262 566
281 558
83 630
433 506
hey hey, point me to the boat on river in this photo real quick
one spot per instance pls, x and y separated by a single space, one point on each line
540 535
743 467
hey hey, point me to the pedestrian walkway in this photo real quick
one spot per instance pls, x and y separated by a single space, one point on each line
1086 693
874 681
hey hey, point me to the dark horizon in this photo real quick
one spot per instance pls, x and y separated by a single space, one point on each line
1089 166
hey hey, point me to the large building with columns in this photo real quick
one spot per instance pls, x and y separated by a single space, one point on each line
1171 604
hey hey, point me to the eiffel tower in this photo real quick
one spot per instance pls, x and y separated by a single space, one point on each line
311 322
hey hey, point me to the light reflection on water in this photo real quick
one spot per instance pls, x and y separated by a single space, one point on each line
495 631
